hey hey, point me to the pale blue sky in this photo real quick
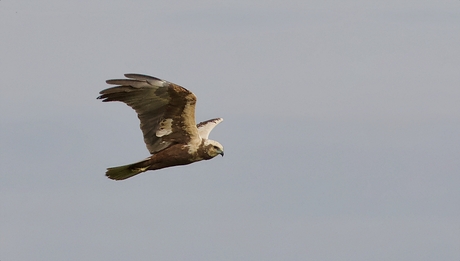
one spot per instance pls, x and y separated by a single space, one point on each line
341 130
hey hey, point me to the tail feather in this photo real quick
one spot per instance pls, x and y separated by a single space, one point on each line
127 171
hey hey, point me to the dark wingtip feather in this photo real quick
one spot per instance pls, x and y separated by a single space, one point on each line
141 77
103 98
211 120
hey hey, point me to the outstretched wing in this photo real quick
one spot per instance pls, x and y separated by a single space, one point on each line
166 110
205 127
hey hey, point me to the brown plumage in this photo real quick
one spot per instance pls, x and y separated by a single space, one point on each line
167 115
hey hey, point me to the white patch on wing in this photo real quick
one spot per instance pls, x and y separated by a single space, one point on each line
204 128
157 83
165 128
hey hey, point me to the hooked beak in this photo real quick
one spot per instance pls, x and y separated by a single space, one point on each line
222 153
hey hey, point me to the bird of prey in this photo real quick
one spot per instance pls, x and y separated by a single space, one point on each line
167 115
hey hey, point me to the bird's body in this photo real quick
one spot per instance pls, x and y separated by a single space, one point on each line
167 114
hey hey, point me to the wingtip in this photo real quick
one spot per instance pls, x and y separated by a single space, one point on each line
115 81
217 120
138 76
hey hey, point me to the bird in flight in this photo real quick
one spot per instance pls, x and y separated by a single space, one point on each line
167 115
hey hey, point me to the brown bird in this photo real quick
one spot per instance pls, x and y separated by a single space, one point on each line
167 115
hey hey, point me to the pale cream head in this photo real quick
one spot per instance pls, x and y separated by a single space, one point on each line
213 148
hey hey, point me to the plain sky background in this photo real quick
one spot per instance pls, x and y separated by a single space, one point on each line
341 130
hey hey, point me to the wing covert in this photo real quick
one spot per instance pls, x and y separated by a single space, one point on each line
166 111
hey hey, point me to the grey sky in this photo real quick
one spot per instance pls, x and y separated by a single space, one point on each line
341 130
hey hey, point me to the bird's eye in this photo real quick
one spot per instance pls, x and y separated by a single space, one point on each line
215 147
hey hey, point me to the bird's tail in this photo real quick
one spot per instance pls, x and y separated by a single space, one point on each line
127 171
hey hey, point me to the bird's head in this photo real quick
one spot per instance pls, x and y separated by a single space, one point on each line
213 148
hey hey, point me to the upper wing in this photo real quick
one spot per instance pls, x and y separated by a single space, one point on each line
205 127
166 110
